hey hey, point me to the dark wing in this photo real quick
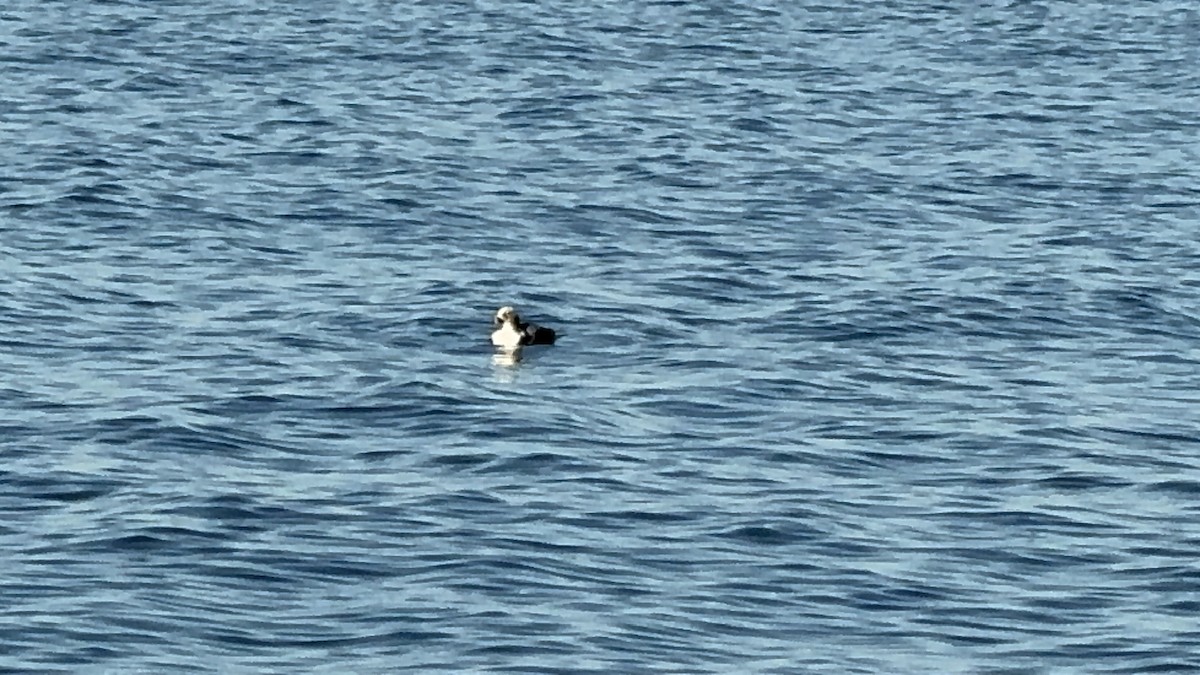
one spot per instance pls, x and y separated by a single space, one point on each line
537 335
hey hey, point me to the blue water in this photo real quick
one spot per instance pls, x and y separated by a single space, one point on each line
880 337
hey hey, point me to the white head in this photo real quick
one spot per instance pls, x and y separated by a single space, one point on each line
505 315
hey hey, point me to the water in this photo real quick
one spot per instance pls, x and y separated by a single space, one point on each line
879 339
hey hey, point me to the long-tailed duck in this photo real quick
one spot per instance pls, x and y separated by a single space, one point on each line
511 333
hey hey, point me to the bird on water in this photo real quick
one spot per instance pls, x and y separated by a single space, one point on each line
509 332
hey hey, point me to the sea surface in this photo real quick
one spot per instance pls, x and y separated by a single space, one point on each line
880 337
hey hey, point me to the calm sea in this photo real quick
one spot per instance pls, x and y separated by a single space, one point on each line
880 337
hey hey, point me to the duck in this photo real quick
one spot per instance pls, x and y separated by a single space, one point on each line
511 333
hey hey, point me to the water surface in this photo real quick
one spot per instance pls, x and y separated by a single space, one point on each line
879 337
